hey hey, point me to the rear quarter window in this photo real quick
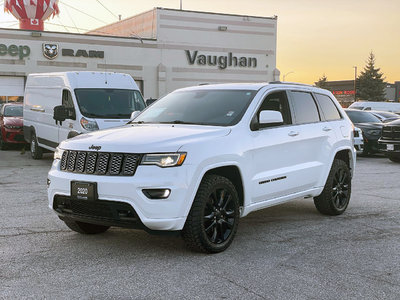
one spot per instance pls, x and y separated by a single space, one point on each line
328 107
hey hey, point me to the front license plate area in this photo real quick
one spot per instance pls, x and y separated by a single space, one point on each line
84 190
390 147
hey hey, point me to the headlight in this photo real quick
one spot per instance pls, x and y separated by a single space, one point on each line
373 132
164 159
89 125
58 154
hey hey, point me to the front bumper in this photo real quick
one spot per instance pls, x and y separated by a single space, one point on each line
121 192
13 136
387 149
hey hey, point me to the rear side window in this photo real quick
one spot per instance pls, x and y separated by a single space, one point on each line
329 109
305 108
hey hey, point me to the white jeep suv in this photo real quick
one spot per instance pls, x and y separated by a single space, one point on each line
200 158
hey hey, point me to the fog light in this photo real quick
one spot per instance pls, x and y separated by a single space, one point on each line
157 193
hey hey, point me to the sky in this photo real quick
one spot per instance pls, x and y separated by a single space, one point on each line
315 37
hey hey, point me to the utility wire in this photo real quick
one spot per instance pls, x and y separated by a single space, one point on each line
69 15
83 12
107 9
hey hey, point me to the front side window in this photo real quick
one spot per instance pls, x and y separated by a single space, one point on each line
68 103
278 102
203 107
329 109
13 111
109 103
305 108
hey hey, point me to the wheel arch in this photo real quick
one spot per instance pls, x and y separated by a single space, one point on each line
232 173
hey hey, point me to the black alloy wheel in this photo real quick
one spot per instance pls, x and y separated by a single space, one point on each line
340 189
219 216
214 217
335 196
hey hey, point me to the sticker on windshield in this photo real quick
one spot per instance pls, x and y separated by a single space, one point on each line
230 113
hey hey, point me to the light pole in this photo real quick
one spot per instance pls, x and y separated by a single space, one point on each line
284 76
355 81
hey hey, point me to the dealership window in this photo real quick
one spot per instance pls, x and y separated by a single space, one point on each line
6 99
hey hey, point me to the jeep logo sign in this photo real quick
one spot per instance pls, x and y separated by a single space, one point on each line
14 50
93 147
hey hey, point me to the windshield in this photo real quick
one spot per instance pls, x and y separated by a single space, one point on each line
204 107
362 117
13 111
108 103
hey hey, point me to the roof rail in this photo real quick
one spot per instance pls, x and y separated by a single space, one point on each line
290 83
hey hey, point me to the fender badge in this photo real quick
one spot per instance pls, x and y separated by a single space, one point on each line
93 147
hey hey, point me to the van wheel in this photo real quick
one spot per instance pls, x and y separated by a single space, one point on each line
335 196
85 228
36 151
214 217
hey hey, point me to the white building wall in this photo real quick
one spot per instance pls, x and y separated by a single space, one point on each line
161 64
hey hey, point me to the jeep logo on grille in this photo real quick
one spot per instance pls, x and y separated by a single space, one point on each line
93 147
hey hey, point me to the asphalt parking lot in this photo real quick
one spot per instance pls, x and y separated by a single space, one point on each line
285 252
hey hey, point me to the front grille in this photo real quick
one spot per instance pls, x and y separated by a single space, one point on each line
391 133
99 163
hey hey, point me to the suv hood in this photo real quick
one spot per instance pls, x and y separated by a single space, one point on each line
144 138
369 125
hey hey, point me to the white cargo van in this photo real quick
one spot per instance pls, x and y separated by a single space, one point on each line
61 105
377 105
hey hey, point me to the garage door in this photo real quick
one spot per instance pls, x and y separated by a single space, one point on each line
11 88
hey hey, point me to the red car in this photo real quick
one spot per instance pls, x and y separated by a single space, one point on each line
11 125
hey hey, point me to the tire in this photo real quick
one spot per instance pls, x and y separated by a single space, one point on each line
394 158
36 151
3 144
335 196
214 217
85 228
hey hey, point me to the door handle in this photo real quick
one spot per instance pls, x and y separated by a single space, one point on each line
37 109
293 133
326 128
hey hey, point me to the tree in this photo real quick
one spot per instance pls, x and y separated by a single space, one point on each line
322 82
371 82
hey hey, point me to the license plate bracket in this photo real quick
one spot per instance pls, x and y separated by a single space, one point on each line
83 190
390 147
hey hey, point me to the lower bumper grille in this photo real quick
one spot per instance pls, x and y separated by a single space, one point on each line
110 213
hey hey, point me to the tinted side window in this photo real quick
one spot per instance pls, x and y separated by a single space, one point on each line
305 108
278 102
329 109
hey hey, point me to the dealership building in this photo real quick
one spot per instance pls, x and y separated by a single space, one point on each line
162 49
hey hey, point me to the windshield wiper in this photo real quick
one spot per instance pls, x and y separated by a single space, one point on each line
179 122
136 122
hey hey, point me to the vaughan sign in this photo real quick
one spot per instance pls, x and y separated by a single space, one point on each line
222 61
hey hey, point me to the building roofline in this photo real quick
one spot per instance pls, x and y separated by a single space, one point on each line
275 17
81 34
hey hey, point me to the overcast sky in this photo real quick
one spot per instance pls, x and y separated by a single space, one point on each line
315 37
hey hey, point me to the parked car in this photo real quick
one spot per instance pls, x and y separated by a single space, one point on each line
390 140
61 105
11 125
376 105
385 116
358 140
198 159
371 128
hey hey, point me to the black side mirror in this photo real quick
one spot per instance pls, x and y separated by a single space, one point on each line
60 114
150 101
